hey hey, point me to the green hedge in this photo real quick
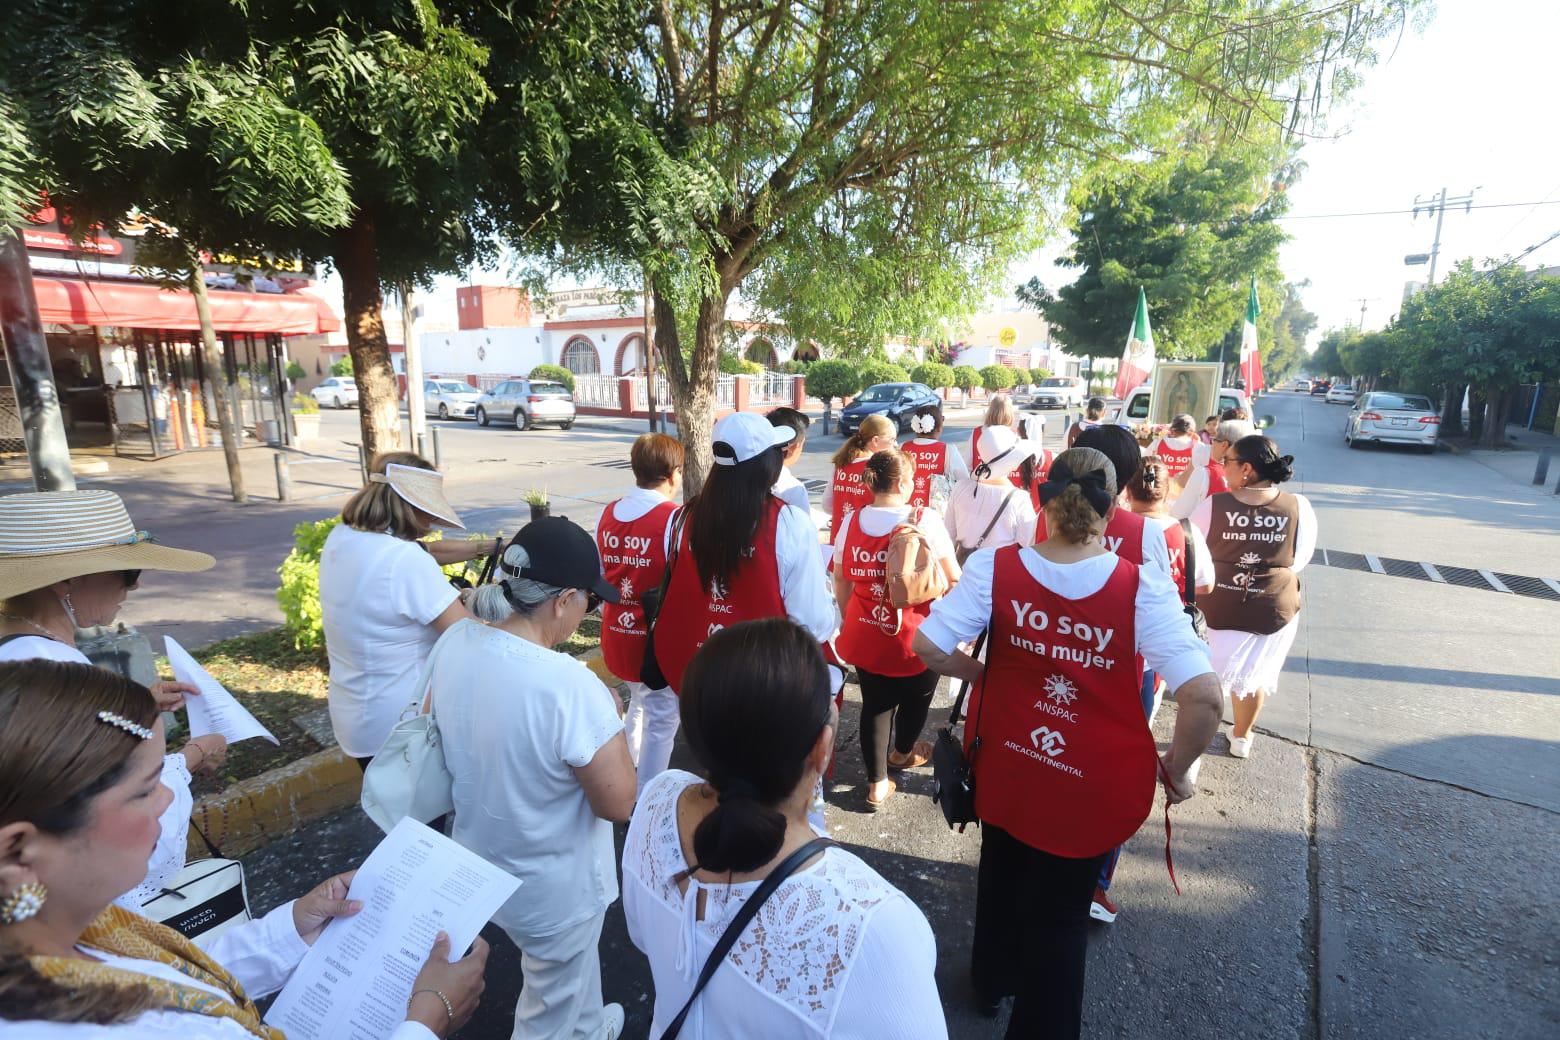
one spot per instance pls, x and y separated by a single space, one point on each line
555 373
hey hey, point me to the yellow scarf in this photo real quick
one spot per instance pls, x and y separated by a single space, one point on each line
125 934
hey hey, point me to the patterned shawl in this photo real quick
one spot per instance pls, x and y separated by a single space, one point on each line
125 934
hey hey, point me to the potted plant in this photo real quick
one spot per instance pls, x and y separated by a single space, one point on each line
305 416
536 498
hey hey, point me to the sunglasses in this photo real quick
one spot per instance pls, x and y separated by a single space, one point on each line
592 601
130 578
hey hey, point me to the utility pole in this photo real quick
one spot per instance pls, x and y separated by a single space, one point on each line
43 428
1437 205
1363 301
416 408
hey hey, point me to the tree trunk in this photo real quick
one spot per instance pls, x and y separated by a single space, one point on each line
37 398
1498 411
379 411
1476 404
223 394
1451 411
692 381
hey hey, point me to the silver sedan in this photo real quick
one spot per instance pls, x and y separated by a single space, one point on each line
1393 419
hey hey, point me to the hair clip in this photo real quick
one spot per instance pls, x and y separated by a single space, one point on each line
120 722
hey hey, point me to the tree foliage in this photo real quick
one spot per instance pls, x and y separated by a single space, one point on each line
966 378
555 373
1327 360
831 378
934 374
996 377
876 370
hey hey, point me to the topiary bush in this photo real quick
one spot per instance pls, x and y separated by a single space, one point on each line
829 379
996 377
876 370
554 373
1021 377
966 378
1037 374
933 373
304 404
796 367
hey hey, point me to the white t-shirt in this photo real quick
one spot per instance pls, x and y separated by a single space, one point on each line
835 952
167 858
378 598
259 954
517 719
1164 636
634 505
877 521
791 491
972 506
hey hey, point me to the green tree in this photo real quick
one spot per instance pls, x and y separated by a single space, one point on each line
1190 228
341 367
996 377
966 378
1370 359
1326 360
874 371
831 378
868 167
1020 376
933 374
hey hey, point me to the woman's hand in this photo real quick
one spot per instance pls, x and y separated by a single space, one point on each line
170 695
312 912
460 983
204 755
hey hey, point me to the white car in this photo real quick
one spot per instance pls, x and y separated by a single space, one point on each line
337 392
1302 386
1340 393
1394 419
450 398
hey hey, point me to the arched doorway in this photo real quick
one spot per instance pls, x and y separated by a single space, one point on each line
580 357
806 352
630 355
763 352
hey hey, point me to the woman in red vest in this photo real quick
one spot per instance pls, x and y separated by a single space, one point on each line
1175 450
740 553
896 688
1127 535
847 492
1064 762
631 536
938 466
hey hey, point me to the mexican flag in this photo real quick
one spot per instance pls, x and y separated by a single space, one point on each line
1137 360
1250 356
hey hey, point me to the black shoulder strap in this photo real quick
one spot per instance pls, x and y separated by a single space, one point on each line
1189 568
964 687
739 924
981 541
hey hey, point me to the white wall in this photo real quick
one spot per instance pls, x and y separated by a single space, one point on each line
501 351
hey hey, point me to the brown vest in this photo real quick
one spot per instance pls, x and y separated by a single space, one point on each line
1253 548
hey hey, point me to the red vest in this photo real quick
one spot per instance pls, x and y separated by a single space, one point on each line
931 460
1042 467
1176 460
633 557
1123 535
867 638
1066 762
850 492
694 611
1175 541
1216 482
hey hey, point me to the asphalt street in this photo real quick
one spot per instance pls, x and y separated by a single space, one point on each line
1382 866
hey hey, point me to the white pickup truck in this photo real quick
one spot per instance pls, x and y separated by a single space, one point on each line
1135 408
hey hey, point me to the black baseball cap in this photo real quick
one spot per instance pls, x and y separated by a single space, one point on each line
563 555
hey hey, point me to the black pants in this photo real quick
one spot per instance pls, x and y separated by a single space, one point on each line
1031 934
892 705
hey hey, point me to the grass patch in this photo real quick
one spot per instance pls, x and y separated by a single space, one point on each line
277 682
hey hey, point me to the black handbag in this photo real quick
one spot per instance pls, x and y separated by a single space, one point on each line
953 773
650 673
738 924
1189 582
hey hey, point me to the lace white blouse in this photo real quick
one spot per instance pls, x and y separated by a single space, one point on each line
836 952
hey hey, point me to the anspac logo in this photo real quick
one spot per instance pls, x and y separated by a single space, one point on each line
1060 690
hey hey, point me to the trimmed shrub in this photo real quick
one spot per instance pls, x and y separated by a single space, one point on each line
934 374
996 377
874 371
732 365
966 378
554 373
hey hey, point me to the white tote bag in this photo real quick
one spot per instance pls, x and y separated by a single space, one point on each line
204 900
408 776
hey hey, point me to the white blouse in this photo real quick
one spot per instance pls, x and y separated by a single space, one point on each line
260 954
973 504
835 952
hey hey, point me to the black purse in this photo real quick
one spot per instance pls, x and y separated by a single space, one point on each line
953 773
738 924
649 668
1189 582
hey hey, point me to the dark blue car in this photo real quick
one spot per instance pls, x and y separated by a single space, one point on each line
898 401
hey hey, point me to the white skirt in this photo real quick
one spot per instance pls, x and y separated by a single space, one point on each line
1247 662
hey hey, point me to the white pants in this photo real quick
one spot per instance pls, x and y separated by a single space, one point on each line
651 727
561 995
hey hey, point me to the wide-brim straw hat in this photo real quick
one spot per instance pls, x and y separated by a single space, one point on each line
421 488
49 536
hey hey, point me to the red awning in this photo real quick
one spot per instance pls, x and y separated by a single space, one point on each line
80 301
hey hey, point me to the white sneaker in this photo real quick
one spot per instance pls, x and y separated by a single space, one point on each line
1240 747
612 1022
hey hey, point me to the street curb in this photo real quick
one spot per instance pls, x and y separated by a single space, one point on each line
80 467
255 812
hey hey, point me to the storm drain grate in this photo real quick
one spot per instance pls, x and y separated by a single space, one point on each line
615 464
1468 578
814 485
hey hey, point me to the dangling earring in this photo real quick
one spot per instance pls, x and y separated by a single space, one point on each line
70 611
23 903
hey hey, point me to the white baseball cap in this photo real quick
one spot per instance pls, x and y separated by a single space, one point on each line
745 435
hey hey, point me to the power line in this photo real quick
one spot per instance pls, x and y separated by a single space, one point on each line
1398 212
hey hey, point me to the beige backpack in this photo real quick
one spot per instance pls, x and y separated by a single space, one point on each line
913 575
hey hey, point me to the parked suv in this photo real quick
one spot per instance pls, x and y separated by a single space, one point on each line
1059 392
898 401
526 402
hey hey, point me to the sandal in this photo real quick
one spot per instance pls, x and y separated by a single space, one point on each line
876 804
919 755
